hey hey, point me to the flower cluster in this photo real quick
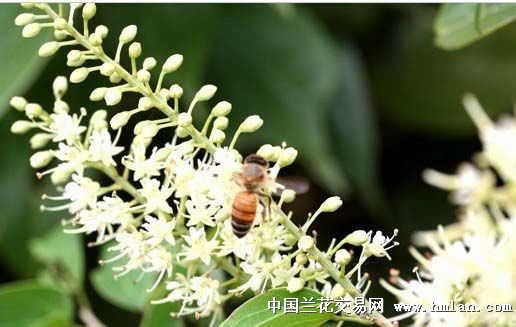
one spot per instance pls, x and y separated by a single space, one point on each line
474 260
167 208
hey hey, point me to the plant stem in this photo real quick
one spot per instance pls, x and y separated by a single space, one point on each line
325 262
157 101
86 314
357 320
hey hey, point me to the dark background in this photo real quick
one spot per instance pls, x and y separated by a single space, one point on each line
360 90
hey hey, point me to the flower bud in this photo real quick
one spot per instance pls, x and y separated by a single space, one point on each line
305 243
337 291
60 176
357 238
149 130
41 159
113 96
61 106
48 49
295 284
206 92
98 117
269 152
60 23
120 119
89 11
60 86
33 110
181 132
144 103
287 157
18 103
184 119
288 195
24 19
102 31
27 5
175 91
115 78
186 148
290 240
221 109
342 257
138 128
21 126
163 93
107 69
221 123
31 30
60 35
98 94
79 75
74 58
95 39
39 140
331 204
128 34
251 124
172 63
217 136
376 250
149 63
301 259
143 76
135 50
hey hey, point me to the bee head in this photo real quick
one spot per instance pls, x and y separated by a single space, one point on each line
256 159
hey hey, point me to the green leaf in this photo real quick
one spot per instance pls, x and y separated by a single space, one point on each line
355 130
255 312
61 250
129 291
458 25
20 194
28 304
421 87
158 315
282 67
19 61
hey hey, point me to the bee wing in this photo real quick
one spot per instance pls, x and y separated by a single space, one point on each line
298 184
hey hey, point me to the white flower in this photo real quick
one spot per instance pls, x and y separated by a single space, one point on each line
102 217
142 166
156 198
227 161
284 272
102 149
198 246
201 211
499 142
73 159
470 185
158 229
261 272
65 127
82 192
379 244
206 294
158 259
241 247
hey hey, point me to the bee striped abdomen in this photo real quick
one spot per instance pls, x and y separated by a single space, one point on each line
243 212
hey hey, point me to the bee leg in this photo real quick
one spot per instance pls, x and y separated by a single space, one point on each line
266 202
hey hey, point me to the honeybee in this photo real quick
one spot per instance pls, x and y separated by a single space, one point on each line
253 177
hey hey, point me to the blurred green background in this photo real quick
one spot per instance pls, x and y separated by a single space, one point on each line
362 91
